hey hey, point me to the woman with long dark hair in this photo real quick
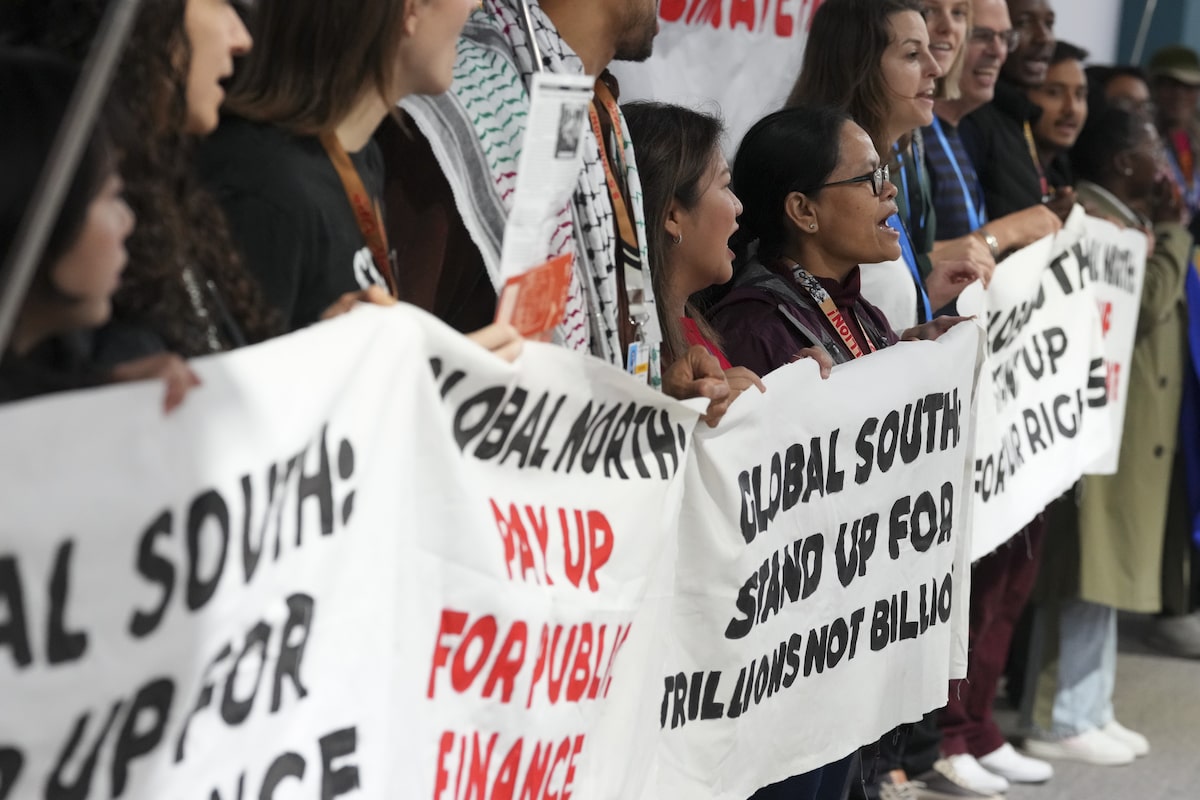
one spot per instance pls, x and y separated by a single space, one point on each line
184 289
816 201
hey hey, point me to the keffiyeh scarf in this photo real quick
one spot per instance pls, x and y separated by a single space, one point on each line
476 132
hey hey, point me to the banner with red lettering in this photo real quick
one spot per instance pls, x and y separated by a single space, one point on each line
736 57
1044 415
367 559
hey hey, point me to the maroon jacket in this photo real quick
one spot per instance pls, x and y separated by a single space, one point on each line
767 318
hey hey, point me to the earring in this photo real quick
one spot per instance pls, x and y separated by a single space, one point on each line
1128 171
812 226
677 238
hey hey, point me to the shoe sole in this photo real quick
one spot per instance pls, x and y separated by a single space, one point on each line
1034 750
1025 781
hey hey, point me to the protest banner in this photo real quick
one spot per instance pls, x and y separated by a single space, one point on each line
758 44
333 571
821 576
1043 410
1115 262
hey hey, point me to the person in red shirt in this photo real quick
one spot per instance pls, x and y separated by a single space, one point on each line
691 212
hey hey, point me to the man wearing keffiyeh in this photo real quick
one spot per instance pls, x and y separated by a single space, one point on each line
448 223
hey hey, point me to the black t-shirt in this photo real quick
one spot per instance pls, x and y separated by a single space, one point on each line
290 216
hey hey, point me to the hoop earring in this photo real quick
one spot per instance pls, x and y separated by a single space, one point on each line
677 238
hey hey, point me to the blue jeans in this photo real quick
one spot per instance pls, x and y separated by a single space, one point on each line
1087 667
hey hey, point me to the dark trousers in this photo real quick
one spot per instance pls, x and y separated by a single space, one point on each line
826 783
1001 583
912 748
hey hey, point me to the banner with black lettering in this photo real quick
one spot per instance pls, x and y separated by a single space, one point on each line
368 559
820 582
1043 412
1115 263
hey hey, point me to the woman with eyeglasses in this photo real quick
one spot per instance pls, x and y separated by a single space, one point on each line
872 58
816 201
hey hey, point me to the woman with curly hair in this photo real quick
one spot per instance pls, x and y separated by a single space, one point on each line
184 289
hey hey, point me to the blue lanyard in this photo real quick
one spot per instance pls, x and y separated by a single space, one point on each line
975 215
910 258
904 188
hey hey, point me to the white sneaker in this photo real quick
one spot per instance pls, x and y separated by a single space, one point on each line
1131 739
1010 764
966 771
1090 747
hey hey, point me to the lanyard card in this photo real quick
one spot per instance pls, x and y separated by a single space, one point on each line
637 363
535 301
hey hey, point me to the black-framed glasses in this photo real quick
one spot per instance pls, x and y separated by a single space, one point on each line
876 178
1010 38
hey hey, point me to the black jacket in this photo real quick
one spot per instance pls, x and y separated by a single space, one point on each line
994 138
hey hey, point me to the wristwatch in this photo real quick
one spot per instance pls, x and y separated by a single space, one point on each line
990 239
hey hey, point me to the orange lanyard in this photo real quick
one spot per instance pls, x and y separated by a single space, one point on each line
1037 162
366 210
831 311
624 219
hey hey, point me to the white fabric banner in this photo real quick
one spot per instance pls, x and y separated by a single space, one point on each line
1043 412
369 559
1116 267
736 57
328 571
822 573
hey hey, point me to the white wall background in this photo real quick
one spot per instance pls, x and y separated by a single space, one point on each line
1093 25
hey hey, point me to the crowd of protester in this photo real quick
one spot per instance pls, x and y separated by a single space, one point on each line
252 174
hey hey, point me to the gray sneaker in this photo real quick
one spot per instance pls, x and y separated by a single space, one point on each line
943 783
892 789
1176 636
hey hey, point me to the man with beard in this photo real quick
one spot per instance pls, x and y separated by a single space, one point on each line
451 175
1063 99
999 136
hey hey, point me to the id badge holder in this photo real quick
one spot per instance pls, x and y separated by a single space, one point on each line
637 363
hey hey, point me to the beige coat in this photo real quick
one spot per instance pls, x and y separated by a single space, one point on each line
1108 548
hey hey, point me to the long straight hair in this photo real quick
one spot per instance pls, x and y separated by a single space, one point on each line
842 63
674 146
313 59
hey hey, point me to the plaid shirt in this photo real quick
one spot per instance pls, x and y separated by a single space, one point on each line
953 219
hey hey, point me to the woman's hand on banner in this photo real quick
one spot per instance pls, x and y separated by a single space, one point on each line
740 379
821 356
165 366
932 330
951 275
375 295
699 374
501 339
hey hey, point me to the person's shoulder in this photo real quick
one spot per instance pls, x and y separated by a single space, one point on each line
245 159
